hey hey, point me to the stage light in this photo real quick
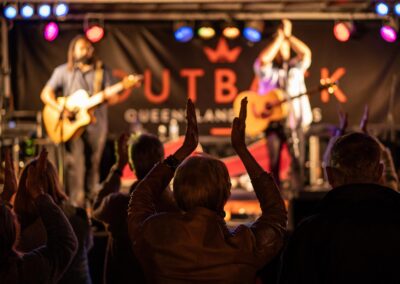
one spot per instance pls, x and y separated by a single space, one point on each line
93 28
44 10
183 31
61 9
50 31
95 33
388 33
206 31
230 30
343 30
382 9
389 30
253 31
27 11
10 11
396 8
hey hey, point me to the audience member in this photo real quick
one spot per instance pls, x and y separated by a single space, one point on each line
195 245
33 232
47 263
111 206
389 176
353 237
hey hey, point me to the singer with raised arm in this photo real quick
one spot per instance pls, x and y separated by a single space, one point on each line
74 98
276 68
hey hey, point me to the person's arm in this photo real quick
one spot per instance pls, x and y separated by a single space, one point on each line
61 246
143 200
302 51
48 97
270 52
10 180
113 181
270 228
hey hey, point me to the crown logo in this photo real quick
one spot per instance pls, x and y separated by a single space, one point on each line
222 53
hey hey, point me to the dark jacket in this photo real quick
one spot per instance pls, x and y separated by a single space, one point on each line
353 238
34 236
47 263
196 246
111 208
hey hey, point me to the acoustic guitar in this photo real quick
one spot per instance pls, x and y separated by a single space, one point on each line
261 110
61 128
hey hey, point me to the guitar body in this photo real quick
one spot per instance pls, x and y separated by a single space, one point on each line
82 106
77 102
261 110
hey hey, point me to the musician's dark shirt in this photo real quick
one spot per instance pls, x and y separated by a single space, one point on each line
65 83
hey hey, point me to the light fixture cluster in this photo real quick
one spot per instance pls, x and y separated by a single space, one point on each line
184 31
383 8
28 10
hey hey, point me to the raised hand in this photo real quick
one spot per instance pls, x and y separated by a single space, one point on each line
287 27
35 179
192 133
364 120
10 179
122 150
239 127
343 122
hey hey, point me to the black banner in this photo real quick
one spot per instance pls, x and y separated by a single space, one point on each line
211 72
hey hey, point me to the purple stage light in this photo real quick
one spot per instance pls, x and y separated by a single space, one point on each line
51 31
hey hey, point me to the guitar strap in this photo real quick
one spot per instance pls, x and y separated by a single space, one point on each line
98 77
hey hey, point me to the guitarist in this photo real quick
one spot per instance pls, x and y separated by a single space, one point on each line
275 68
82 160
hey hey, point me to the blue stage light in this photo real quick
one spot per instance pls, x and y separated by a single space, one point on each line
184 33
10 11
252 34
44 10
382 9
397 9
61 9
27 11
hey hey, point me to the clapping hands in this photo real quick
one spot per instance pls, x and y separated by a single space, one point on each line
35 178
192 133
239 127
10 179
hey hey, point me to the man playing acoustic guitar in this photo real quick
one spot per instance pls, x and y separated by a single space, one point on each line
275 68
83 71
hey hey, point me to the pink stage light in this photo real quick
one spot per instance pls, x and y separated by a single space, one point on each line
51 31
94 33
388 33
342 31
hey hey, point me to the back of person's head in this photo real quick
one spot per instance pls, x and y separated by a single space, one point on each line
354 158
23 205
8 232
202 181
145 152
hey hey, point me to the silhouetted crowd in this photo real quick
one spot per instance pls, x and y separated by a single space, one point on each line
160 235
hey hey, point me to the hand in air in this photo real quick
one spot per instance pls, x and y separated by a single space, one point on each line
10 179
35 180
239 127
122 150
192 133
364 120
287 27
343 122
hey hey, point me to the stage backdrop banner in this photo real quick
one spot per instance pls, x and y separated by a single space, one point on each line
211 72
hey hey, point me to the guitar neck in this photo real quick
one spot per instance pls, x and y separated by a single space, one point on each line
287 99
100 97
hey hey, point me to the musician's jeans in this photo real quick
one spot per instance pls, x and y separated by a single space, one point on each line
83 156
276 136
